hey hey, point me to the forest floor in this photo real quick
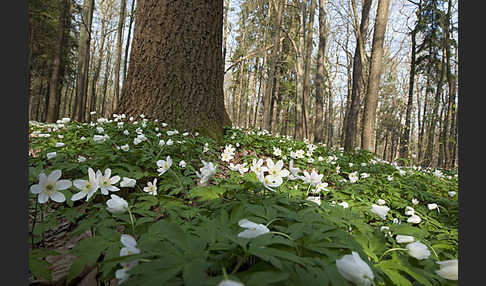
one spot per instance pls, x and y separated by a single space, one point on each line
169 207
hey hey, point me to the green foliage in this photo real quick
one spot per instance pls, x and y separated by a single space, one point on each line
187 234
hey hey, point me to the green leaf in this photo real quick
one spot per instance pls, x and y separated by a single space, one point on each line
194 273
262 278
40 268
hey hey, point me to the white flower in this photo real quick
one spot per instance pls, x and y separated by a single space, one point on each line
82 138
448 269
381 211
381 202
242 168
320 159
321 187
116 204
151 187
252 229
182 164
276 169
234 167
81 159
66 120
230 283
100 138
161 142
354 269
51 155
100 130
126 132
353 177
125 147
415 202
344 204
418 250
350 164
49 187
409 211
316 200
414 219
364 175
129 248
106 183
127 183
404 238
451 193
294 171
257 167
432 206
87 187
207 171
313 179
169 142
299 154
164 165
59 144
277 152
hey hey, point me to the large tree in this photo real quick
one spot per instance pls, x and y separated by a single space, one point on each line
176 70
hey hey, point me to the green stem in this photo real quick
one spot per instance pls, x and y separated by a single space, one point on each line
33 223
283 234
240 262
389 250
271 221
131 220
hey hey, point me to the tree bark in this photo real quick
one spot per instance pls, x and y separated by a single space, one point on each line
406 131
351 117
121 23
369 117
57 65
307 63
83 60
175 72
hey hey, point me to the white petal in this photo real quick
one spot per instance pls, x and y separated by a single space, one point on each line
78 196
78 183
42 198
128 240
35 189
63 184
247 224
42 178
58 197
115 179
54 175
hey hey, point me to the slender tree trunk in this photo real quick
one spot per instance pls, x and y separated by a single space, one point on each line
127 46
307 63
106 78
275 92
97 70
225 32
434 118
57 74
272 64
121 23
320 73
83 60
406 131
371 103
351 118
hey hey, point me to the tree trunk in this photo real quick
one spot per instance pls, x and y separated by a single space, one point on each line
278 5
308 59
320 73
351 118
175 72
119 46
406 131
57 69
225 32
371 103
127 46
275 92
107 75
83 60
434 118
